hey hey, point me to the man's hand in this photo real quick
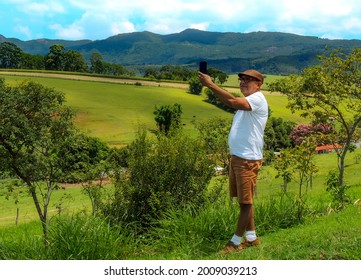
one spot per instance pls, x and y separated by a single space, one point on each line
205 79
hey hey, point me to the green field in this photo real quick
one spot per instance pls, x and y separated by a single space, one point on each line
113 112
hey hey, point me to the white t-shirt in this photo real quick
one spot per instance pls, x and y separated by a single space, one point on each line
245 138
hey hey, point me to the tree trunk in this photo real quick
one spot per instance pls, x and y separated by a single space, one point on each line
17 216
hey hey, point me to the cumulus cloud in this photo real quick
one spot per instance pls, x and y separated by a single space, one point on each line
69 32
24 30
98 19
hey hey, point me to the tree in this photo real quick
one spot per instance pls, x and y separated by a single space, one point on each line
301 131
30 61
73 61
54 59
330 93
168 117
97 64
195 87
218 75
277 134
298 163
10 55
36 133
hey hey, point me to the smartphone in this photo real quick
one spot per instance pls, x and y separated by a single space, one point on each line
203 67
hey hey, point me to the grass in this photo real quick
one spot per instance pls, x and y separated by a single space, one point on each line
182 235
186 237
113 112
69 200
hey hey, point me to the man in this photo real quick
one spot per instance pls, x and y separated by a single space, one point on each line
246 144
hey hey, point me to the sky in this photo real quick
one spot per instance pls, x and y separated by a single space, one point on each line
100 19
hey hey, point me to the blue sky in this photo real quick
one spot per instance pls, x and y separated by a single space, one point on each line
100 19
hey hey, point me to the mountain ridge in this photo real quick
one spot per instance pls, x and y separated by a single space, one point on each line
269 52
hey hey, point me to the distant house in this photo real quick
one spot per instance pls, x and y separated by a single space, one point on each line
327 148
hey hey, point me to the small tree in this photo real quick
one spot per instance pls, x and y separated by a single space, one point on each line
195 87
168 117
37 140
298 161
96 63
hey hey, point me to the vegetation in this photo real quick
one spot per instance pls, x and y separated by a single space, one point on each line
270 52
168 117
164 200
37 137
172 171
323 234
331 94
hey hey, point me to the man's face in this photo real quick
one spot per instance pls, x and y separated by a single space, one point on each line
249 85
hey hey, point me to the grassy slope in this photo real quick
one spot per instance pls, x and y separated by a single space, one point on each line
113 112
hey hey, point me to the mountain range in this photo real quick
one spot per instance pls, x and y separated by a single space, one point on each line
269 52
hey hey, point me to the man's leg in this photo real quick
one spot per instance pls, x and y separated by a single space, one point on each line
245 219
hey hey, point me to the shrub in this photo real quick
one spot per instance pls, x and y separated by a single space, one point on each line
337 191
169 172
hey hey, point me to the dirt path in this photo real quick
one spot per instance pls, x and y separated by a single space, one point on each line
97 79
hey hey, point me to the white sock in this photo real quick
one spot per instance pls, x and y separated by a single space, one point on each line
251 235
236 240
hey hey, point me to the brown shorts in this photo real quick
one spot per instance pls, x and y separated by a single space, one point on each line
243 178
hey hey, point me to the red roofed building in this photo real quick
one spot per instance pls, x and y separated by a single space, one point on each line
327 148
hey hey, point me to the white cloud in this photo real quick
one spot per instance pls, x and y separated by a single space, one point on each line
45 8
70 32
200 26
24 30
122 27
98 19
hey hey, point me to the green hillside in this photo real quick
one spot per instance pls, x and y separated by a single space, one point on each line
269 52
114 112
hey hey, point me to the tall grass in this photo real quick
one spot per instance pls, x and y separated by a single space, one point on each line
87 237
77 237
194 234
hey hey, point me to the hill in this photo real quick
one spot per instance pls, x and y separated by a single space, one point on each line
269 52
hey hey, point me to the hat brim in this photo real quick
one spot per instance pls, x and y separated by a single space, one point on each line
245 75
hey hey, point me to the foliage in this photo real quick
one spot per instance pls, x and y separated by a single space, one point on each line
277 134
331 94
172 171
214 132
301 131
298 160
73 61
212 99
217 75
54 59
96 63
10 55
339 196
169 72
39 144
195 87
82 158
168 117
34 62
